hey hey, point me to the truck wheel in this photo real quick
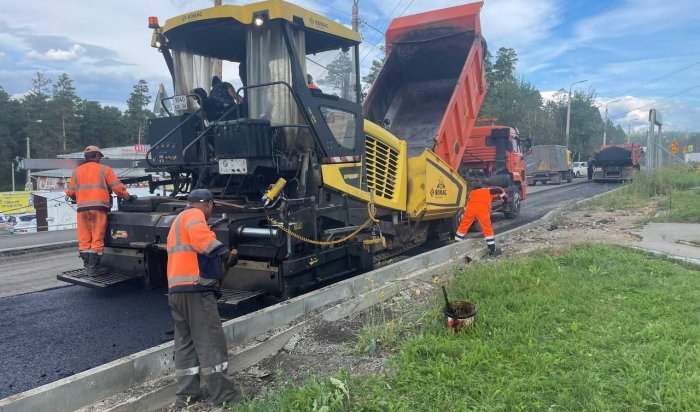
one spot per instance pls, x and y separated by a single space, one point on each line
514 204
568 177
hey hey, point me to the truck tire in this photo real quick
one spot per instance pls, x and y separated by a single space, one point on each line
569 178
514 204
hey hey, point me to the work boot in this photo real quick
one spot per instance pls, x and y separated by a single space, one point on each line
88 264
96 268
85 257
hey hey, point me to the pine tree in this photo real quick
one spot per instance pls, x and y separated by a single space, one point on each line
63 107
376 67
338 75
136 112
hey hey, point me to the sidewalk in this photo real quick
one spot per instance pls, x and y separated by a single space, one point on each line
32 240
675 240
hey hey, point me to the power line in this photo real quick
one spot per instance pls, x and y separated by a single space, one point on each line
655 103
363 21
381 32
656 79
404 10
342 12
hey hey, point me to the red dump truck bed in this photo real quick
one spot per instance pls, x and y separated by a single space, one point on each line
431 86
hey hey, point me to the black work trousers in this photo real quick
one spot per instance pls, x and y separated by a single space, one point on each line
200 348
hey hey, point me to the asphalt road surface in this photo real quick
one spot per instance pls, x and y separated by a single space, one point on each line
54 333
35 271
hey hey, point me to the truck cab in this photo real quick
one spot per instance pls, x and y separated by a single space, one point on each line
494 157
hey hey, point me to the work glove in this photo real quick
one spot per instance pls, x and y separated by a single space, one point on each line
132 197
504 199
70 200
229 258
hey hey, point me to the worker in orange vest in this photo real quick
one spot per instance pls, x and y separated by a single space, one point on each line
195 260
310 84
90 187
479 208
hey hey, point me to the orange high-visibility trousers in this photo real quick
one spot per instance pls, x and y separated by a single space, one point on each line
92 225
484 219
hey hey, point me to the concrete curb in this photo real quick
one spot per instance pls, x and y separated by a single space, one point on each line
554 187
684 259
39 246
86 388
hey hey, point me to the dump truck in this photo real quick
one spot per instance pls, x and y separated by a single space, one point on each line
494 157
548 164
308 187
616 162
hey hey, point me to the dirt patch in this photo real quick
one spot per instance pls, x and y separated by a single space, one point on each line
582 225
325 348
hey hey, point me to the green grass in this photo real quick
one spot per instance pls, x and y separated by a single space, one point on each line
590 328
680 207
645 186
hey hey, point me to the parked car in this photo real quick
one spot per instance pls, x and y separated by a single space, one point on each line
22 224
580 169
3 221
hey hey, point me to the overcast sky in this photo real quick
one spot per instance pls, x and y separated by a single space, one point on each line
644 52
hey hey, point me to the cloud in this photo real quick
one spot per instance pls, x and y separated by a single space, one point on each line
74 52
637 17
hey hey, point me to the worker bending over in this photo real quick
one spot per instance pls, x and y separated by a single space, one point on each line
479 208
195 261
90 187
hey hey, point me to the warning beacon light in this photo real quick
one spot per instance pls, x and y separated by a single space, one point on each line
153 22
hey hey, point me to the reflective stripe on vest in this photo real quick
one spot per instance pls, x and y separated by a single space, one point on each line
183 280
183 265
88 192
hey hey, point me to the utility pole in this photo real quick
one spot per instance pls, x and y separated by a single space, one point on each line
605 124
568 112
12 171
355 28
218 69
63 122
28 184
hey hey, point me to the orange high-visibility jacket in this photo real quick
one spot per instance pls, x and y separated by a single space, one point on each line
480 199
189 236
90 187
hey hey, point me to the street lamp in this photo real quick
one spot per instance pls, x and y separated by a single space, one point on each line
629 127
568 111
605 124
29 155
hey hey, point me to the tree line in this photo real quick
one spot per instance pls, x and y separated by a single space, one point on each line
57 120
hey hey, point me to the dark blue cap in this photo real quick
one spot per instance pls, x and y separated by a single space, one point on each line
200 195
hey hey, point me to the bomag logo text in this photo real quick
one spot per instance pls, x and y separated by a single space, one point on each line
351 176
440 190
319 23
192 16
